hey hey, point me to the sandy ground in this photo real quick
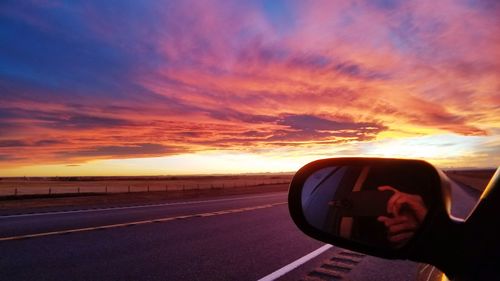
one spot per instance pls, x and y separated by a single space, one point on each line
58 185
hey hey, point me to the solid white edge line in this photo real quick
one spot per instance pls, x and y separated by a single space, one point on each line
291 266
137 207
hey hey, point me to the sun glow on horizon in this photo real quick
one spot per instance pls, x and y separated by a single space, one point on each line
426 147
436 149
187 164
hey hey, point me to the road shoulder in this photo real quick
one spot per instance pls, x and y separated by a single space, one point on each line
96 201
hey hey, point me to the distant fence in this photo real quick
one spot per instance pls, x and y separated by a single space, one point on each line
128 188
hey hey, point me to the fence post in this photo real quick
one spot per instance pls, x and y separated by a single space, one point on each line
15 192
106 189
148 187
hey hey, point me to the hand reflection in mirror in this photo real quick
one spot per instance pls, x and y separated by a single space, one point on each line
407 212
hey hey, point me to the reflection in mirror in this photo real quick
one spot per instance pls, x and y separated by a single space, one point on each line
380 204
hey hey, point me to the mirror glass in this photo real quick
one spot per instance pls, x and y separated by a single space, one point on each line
377 204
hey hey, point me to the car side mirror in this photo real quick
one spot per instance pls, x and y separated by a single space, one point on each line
371 205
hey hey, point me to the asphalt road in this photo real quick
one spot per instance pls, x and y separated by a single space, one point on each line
231 238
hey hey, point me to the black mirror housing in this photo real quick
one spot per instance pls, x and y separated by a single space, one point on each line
354 200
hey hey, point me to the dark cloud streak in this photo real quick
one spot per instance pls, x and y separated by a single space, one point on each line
142 149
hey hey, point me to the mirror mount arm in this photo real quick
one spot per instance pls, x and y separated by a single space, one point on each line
440 244
480 242
465 250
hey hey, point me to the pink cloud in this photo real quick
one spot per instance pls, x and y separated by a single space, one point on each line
200 75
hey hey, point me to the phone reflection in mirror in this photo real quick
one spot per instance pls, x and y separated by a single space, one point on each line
378 205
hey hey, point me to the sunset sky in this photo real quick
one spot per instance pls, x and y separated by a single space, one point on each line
195 87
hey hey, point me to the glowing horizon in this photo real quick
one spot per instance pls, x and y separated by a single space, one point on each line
199 87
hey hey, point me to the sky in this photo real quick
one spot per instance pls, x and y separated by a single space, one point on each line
199 87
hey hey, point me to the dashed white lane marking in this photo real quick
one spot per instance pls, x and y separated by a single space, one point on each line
289 267
230 211
430 274
138 206
424 268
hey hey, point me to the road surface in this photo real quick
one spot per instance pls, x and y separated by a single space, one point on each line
245 237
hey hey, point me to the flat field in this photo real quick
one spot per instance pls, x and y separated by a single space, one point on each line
22 186
69 185
18 195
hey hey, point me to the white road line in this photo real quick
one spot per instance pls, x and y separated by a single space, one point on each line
424 268
136 207
91 228
430 274
289 267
